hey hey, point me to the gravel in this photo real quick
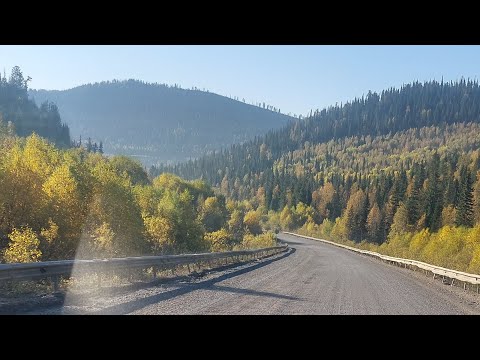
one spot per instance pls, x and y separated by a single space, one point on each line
311 278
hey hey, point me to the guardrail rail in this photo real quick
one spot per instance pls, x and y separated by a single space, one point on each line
464 277
55 269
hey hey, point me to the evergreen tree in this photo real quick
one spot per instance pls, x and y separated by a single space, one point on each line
434 195
25 116
465 206
413 204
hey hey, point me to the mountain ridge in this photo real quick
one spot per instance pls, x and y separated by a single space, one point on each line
413 105
156 122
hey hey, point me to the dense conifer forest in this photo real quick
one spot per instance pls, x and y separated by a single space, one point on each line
376 171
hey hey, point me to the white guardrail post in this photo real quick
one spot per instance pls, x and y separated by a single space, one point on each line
436 270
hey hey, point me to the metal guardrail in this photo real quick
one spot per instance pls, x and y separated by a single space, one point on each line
30 271
435 270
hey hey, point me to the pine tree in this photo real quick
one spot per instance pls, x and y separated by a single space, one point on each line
413 203
465 205
434 194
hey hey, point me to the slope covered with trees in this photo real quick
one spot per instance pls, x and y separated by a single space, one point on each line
23 116
61 204
413 106
159 123
378 171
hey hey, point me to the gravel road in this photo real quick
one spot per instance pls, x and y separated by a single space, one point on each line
312 278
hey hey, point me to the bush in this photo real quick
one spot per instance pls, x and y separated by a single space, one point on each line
252 222
23 247
260 241
218 240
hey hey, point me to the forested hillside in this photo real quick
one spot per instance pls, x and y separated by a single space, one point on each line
159 123
23 116
380 170
62 204
413 106
397 172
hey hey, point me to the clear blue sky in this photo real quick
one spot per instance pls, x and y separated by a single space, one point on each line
294 78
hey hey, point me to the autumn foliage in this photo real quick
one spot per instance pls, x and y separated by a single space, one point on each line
61 204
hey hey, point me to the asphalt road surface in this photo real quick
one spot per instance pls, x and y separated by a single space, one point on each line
312 278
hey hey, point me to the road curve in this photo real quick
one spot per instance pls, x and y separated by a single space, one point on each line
314 278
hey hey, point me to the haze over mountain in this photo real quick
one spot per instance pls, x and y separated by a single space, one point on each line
159 123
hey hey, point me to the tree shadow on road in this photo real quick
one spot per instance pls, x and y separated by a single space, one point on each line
250 292
185 288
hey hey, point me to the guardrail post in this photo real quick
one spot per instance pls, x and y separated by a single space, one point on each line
56 281
154 272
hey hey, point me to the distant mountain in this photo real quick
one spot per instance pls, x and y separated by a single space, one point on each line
158 123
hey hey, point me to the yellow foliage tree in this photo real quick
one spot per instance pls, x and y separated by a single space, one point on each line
219 240
418 243
326 227
160 231
66 207
23 246
50 237
474 266
251 241
374 224
322 198
23 201
400 221
213 214
287 220
252 222
103 237
339 229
